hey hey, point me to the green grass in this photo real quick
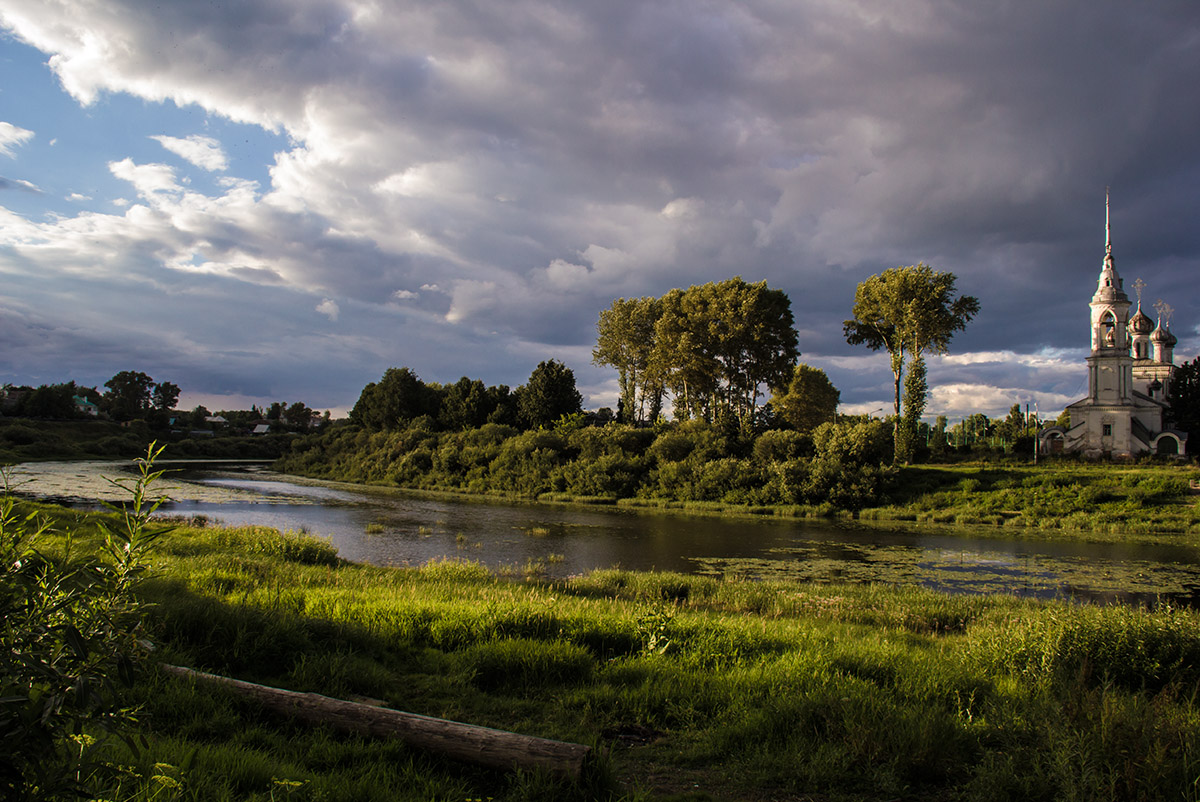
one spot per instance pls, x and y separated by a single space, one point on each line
701 688
1097 501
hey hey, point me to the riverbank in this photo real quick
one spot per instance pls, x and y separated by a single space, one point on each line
698 688
1106 503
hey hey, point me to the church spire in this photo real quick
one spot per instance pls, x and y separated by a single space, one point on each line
1108 255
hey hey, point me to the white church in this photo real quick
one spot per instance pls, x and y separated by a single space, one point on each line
1129 375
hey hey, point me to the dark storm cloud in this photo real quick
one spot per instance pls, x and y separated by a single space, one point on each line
533 161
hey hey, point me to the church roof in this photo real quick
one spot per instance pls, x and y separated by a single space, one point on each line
1163 335
1140 323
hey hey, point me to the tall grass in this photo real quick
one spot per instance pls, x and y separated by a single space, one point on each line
734 689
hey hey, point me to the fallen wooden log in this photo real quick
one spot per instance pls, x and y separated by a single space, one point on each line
482 746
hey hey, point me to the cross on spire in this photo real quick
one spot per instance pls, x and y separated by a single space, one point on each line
1164 311
1138 286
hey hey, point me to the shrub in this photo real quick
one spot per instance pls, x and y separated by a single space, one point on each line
71 636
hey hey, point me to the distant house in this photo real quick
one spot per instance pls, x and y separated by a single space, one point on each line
262 428
85 407
216 420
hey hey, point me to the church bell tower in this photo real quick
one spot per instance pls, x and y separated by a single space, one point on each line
1110 366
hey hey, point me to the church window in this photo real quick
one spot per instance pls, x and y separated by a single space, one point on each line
1108 430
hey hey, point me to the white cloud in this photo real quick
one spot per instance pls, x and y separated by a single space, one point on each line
960 400
147 179
202 151
404 295
12 135
329 309
78 198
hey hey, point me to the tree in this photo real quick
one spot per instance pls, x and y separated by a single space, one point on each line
808 400
128 395
915 390
1183 395
51 401
166 396
908 311
683 353
300 416
395 400
625 340
718 344
465 405
549 395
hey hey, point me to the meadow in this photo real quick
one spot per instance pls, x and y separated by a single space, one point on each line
688 687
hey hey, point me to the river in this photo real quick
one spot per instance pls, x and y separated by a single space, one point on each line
392 527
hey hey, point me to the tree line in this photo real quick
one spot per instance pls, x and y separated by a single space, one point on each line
400 397
133 395
130 395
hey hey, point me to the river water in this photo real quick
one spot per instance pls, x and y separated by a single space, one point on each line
389 527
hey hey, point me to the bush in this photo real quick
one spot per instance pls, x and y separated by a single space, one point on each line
71 637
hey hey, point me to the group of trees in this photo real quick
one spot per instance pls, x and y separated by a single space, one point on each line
400 397
130 394
714 347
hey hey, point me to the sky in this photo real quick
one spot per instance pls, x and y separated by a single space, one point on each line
277 200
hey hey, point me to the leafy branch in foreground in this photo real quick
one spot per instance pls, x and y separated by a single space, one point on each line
71 636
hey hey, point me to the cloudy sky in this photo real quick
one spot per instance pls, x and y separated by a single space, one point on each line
278 199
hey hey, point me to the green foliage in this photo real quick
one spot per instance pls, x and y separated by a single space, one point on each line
915 391
394 401
808 400
71 637
527 665
129 394
718 344
907 311
548 395
626 340
1183 396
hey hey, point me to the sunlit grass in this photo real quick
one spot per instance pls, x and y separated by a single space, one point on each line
769 688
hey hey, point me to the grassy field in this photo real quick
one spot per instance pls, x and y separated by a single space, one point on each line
694 688
1152 501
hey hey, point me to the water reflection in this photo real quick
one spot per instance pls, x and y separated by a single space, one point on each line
395 528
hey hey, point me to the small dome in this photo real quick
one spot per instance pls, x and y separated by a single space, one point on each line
1164 336
1140 323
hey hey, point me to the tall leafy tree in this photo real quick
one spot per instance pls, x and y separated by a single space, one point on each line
718 345
465 404
393 401
684 353
808 400
916 388
626 340
128 394
165 396
1183 395
908 311
549 394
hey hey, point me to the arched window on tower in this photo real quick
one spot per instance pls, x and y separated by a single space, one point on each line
1108 327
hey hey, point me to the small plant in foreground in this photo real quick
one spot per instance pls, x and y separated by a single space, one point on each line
71 635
